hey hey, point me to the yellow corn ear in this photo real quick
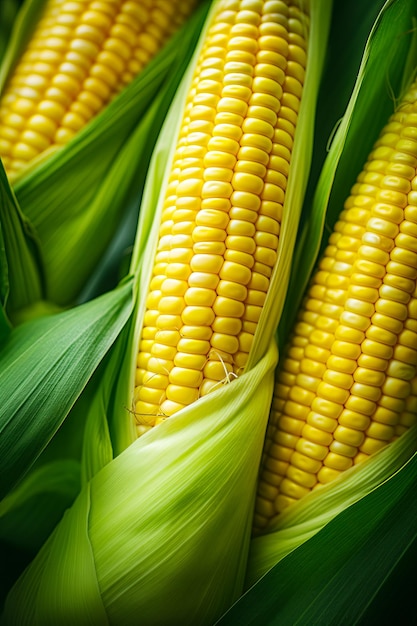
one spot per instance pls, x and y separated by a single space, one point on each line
221 216
81 54
347 384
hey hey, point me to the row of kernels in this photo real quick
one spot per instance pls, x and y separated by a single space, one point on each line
398 387
218 155
264 103
262 109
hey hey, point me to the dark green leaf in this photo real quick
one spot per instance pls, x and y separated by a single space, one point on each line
5 325
45 365
19 20
349 31
8 10
339 576
20 263
30 512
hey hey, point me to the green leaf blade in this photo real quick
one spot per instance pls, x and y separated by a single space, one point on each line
333 577
30 512
45 365
21 272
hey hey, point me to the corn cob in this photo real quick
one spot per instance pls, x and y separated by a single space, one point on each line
220 222
81 54
347 385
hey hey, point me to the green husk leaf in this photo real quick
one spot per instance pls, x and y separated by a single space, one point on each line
5 324
381 76
21 266
334 576
182 493
64 450
45 365
350 27
97 450
308 516
29 513
102 171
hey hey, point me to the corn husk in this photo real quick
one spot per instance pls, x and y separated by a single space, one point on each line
160 531
169 515
316 511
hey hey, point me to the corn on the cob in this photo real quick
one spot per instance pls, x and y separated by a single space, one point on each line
81 54
347 385
221 216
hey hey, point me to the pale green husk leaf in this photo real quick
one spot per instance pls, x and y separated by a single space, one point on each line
313 512
168 516
71 550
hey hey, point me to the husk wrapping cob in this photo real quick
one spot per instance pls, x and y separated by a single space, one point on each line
231 412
